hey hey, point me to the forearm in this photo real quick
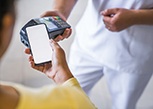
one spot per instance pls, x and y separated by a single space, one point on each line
64 6
144 17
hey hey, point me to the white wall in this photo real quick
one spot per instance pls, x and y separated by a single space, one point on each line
15 66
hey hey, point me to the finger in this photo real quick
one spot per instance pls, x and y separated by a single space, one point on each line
32 64
107 27
39 68
109 12
67 33
46 67
70 32
106 23
107 20
110 28
54 45
31 58
27 51
58 38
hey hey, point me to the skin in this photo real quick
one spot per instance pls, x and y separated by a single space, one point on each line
7 93
114 19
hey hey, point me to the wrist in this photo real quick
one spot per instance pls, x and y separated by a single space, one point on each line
133 18
142 17
136 17
64 6
62 76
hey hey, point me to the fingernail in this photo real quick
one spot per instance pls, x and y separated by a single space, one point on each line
51 40
68 32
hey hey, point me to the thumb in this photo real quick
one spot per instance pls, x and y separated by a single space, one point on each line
54 45
109 12
106 19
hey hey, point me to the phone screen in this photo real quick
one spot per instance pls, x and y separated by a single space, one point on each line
39 43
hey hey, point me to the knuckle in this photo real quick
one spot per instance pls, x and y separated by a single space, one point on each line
47 12
106 11
113 22
50 76
115 29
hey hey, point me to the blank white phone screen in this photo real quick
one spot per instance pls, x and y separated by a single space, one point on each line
39 43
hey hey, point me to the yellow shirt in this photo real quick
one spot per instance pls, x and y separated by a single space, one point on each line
66 96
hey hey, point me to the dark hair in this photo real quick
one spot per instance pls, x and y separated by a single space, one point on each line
5 7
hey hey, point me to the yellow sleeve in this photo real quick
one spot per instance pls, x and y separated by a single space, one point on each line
66 96
71 82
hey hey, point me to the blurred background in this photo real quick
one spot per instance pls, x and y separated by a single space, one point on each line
15 67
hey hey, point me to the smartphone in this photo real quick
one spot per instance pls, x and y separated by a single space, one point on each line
39 44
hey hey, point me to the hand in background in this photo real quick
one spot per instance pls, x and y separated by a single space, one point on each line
118 19
67 32
58 69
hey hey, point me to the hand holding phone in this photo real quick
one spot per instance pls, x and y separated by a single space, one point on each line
58 69
39 44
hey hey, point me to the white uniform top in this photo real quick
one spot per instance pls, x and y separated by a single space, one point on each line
130 50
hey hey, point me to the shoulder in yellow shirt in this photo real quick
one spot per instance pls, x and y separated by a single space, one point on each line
69 95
